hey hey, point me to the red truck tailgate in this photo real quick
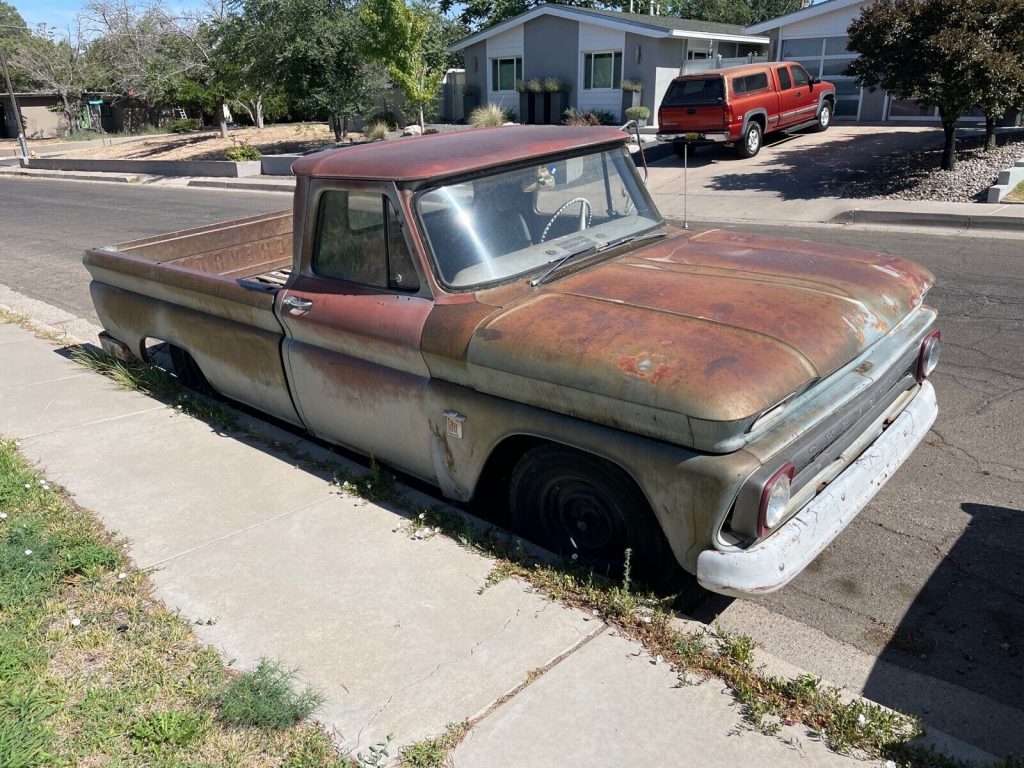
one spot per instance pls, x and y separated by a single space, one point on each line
694 104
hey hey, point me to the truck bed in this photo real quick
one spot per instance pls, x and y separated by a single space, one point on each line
210 291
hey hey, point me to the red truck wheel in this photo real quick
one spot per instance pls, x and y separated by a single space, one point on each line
824 117
753 137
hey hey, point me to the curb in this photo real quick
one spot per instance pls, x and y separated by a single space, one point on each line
251 186
72 176
964 221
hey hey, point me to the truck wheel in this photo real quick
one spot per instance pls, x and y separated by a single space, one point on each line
824 117
187 371
572 503
752 140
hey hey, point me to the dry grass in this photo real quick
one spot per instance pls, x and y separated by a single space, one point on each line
1016 194
208 145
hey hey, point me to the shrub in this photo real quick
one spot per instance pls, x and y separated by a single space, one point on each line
185 125
555 85
377 131
595 117
385 116
520 86
489 115
242 153
534 86
638 113
264 698
632 85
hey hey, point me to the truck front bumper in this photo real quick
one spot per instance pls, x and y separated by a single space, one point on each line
774 561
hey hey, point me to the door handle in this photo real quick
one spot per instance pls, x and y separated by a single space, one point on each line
294 302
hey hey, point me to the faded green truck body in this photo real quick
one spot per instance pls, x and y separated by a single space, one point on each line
697 364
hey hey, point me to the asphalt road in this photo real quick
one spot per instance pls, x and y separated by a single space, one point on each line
45 224
929 578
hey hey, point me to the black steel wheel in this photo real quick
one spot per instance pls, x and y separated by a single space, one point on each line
589 511
187 371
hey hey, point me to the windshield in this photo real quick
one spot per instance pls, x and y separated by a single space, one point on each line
694 92
510 223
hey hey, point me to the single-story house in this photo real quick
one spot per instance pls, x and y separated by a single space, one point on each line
592 51
816 37
39 111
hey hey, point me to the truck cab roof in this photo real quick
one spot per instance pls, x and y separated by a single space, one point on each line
419 158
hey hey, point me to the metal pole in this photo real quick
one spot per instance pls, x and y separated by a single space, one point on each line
22 141
686 174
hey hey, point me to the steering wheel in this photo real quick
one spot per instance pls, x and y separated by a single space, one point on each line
586 213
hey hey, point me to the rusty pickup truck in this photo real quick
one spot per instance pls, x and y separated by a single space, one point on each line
506 308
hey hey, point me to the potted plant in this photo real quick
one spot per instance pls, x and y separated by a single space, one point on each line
640 114
556 98
631 90
531 107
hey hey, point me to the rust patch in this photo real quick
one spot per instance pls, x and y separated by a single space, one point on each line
864 367
644 367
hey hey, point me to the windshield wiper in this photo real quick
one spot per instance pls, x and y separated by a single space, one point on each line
596 248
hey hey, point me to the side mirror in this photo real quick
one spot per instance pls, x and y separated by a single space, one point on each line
815 80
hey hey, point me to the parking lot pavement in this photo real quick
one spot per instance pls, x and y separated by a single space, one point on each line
795 178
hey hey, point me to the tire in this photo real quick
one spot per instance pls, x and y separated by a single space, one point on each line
824 117
752 140
184 367
573 503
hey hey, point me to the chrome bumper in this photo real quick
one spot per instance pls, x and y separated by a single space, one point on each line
775 561
695 137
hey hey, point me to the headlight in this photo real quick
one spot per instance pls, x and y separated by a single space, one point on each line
775 499
929 357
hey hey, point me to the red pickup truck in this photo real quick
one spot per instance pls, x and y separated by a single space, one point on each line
739 105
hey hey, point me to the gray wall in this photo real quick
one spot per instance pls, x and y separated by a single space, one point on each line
871 104
654 53
550 47
475 58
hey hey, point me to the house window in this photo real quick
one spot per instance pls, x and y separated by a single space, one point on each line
602 69
505 72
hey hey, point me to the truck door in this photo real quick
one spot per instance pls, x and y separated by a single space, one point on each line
798 102
353 316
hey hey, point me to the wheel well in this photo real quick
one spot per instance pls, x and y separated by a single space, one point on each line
759 119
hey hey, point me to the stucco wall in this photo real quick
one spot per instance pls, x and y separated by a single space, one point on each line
40 122
660 61
550 46
475 58
595 38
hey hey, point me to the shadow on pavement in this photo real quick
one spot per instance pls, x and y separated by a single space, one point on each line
792 169
966 625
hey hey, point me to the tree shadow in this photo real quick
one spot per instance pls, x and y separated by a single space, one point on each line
966 625
845 167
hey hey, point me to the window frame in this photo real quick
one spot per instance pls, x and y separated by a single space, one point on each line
389 195
616 81
495 75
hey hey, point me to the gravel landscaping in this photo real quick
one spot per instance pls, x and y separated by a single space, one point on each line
918 176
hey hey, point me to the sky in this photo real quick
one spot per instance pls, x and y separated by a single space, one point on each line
60 13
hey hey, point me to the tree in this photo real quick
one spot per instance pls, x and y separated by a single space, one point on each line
741 12
398 37
13 29
997 64
920 50
58 65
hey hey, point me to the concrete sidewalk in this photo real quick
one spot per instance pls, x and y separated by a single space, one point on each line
398 632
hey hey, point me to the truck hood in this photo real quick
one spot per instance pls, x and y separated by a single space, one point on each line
715 326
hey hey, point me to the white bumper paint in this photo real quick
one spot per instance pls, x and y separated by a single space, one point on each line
773 562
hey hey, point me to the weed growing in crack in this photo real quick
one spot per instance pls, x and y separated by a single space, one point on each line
433 753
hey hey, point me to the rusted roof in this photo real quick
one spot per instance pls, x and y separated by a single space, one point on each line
455 152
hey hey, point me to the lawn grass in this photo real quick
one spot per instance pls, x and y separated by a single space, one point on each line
95 671
1016 194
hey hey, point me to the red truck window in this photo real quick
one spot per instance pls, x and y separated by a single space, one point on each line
784 82
800 77
695 92
750 83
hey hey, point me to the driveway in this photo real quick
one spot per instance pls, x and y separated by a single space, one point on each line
794 178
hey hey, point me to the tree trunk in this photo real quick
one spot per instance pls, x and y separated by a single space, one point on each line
344 127
949 150
990 133
259 113
422 124
336 125
221 121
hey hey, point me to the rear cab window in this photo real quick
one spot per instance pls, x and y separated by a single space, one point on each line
695 92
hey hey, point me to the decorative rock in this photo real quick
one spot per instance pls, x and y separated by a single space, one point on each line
412 130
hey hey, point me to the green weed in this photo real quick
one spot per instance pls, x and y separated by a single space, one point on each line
265 698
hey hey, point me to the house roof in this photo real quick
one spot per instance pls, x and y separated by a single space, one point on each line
809 12
637 23
452 153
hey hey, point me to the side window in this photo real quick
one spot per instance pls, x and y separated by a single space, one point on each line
739 85
800 77
356 233
784 82
757 82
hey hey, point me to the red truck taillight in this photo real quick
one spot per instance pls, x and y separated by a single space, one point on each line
727 114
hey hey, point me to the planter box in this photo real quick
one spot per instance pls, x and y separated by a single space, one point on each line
630 99
554 107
